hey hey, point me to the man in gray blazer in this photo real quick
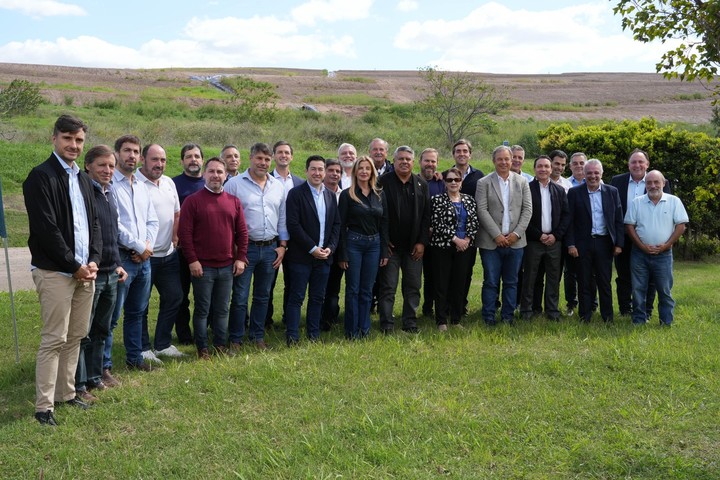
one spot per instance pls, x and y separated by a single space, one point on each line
504 210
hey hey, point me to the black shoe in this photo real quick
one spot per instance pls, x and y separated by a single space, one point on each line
74 402
186 341
411 330
46 418
387 331
291 342
143 367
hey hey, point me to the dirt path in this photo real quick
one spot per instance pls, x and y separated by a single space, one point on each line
19 269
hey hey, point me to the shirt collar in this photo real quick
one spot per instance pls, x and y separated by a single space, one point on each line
65 166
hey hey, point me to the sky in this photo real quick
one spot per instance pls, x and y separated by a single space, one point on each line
514 36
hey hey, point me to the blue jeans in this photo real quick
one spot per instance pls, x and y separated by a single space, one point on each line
363 254
502 262
133 296
90 363
644 270
212 288
165 275
260 260
312 277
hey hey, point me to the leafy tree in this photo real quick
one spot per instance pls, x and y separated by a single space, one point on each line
255 100
462 104
689 160
696 22
20 97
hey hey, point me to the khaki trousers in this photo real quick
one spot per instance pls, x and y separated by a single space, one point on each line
65 307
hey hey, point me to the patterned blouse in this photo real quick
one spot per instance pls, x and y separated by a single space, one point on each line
444 220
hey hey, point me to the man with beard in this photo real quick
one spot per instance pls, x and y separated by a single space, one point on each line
436 186
347 154
138 228
654 222
213 234
164 266
187 183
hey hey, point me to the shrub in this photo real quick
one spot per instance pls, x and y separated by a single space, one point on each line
21 97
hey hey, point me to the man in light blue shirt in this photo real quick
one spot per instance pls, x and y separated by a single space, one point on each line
137 230
263 200
654 222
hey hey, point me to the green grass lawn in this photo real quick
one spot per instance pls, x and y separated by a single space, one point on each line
535 400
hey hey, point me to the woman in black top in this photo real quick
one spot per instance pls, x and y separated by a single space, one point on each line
454 226
363 244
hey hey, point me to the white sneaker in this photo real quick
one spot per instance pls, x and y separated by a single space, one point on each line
150 356
170 351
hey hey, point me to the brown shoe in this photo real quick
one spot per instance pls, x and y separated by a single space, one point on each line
86 396
261 345
108 380
203 354
236 346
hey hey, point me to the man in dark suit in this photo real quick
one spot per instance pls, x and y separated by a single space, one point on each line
409 218
631 185
545 232
595 236
313 223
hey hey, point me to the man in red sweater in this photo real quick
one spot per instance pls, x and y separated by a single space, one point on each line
214 238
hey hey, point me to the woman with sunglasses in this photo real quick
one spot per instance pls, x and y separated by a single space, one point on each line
363 244
454 226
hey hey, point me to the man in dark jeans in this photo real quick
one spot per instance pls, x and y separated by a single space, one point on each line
90 375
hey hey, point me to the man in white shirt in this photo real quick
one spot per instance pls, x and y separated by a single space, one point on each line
138 228
165 268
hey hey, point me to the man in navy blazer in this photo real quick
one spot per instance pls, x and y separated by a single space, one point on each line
631 185
596 235
313 223
542 261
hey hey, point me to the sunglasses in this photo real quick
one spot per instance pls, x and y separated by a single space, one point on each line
450 180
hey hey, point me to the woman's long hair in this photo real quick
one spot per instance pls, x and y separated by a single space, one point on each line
372 181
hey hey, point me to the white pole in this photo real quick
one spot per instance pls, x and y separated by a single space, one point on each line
12 300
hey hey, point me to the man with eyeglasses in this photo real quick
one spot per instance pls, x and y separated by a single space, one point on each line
409 219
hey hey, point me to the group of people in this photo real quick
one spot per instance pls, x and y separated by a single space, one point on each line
100 239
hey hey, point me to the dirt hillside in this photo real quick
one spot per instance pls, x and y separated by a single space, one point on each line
570 96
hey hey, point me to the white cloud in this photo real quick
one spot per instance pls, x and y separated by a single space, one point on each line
495 38
330 11
207 43
43 8
407 5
